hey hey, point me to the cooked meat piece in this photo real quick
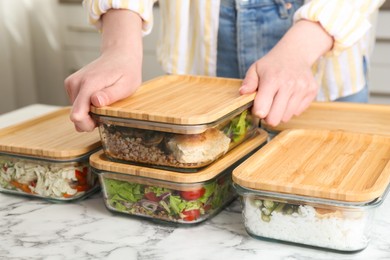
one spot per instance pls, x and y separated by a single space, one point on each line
197 148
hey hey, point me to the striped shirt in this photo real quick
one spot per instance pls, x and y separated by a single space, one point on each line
189 30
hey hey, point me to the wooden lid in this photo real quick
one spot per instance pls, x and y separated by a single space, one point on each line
180 99
336 165
51 136
354 117
99 161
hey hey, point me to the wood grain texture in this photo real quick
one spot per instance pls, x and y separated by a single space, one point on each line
327 164
180 99
51 136
355 117
99 161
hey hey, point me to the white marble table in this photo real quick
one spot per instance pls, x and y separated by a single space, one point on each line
36 229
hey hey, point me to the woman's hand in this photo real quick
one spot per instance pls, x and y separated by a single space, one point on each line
115 75
111 77
283 78
284 87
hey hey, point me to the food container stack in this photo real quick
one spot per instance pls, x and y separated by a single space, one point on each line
46 158
168 150
317 188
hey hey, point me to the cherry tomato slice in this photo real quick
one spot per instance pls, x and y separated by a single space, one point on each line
192 194
191 215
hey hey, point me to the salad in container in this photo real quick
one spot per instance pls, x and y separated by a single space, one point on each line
46 158
317 188
177 122
170 196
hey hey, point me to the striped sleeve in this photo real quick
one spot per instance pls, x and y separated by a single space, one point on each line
96 8
346 20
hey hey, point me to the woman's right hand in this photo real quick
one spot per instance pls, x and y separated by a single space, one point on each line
111 77
115 75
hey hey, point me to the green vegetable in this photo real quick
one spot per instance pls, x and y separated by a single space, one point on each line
210 189
268 206
157 190
119 190
169 204
238 127
177 204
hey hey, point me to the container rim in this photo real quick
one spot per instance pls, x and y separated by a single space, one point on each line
47 159
225 172
369 204
168 127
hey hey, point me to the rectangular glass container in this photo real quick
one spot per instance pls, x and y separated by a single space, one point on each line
174 147
45 157
307 221
315 187
185 203
177 122
170 196
48 179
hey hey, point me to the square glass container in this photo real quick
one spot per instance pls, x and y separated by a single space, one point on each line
169 196
317 188
46 158
175 122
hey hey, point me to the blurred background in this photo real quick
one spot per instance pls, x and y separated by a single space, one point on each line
44 41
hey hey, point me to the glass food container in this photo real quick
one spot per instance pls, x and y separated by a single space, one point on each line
318 188
169 196
176 122
353 117
46 158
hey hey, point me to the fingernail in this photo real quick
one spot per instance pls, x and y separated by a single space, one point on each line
242 88
100 100
260 114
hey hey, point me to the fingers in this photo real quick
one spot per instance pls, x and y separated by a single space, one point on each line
250 82
113 93
80 110
264 98
72 84
282 91
288 104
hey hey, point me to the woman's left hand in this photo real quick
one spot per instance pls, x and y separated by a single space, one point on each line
283 78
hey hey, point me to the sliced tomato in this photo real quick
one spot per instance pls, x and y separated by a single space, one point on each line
152 196
191 215
81 176
192 194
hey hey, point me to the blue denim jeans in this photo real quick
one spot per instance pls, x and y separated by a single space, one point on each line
248 29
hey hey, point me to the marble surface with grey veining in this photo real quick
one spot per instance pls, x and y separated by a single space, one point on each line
38 229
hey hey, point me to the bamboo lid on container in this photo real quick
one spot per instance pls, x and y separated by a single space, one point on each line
99 161
181 100
325 164
51 136
354 117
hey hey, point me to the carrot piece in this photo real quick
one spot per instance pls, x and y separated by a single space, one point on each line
20 186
